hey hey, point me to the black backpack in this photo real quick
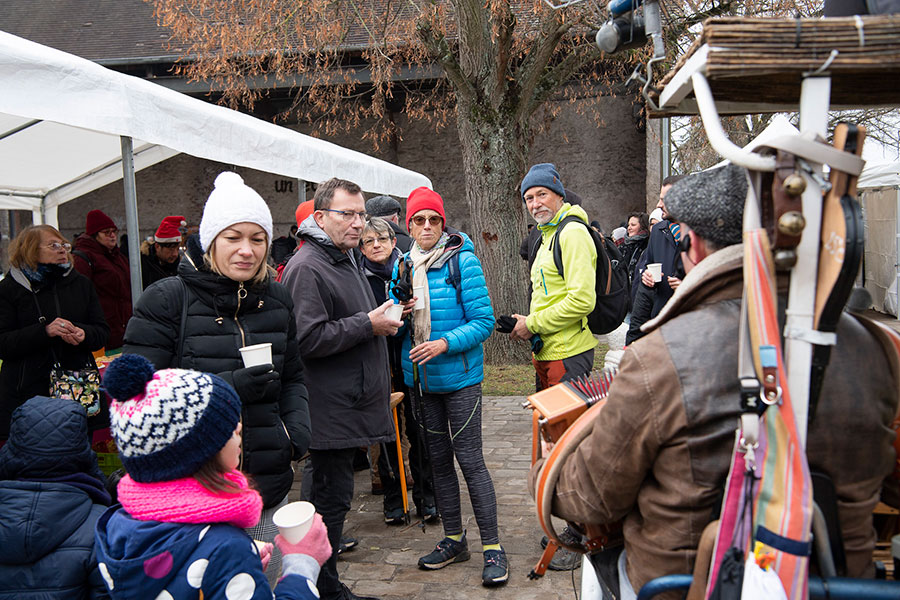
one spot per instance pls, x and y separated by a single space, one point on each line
611 284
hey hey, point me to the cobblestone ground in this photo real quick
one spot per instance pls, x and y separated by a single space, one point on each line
384 563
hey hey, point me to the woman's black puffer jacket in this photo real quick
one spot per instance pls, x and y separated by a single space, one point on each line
275 426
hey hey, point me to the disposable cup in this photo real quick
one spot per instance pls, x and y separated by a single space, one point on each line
395 312
294 520
419 293
655 271
257 354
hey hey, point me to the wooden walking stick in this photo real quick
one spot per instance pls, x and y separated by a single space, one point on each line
396 399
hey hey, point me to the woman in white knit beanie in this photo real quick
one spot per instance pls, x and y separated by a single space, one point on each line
225 298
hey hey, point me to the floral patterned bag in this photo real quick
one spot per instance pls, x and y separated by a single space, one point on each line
81 385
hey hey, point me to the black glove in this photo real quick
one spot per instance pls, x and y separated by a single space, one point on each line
251 382
505 324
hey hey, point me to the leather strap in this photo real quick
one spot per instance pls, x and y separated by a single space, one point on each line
783 202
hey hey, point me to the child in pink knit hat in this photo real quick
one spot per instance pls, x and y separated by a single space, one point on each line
179 532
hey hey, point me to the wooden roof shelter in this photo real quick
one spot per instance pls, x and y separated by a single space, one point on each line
756 65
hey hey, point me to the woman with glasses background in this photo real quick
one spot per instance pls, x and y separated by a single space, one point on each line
42 283
379 248
97 257
442 352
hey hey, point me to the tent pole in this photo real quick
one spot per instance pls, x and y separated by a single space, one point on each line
131 218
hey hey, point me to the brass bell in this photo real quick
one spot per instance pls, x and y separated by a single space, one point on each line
784 259
794 185
791 223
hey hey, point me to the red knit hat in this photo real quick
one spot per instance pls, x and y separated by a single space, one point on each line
423 198
304 210
168 230
97 221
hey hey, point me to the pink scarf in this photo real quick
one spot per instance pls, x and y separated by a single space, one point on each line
187 501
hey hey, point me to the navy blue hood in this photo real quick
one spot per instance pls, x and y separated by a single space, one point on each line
48 439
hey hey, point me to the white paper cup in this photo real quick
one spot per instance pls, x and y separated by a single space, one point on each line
294 520
655 271
419 293
257 354
395 312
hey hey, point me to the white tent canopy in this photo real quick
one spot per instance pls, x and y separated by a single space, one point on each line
61 118
877 175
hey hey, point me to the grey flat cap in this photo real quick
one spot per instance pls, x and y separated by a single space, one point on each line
711 203
382 206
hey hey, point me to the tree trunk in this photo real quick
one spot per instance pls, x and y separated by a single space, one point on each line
494 155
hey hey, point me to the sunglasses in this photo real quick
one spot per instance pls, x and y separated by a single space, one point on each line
433 220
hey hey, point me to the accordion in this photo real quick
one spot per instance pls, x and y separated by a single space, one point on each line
563 415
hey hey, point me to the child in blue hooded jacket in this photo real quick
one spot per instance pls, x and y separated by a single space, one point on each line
179 532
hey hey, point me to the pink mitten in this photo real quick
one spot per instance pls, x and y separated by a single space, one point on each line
314 544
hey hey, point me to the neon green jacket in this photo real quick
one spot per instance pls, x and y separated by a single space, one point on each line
559 307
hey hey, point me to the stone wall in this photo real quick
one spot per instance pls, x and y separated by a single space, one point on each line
605 164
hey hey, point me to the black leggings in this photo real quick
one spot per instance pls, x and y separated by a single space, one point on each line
462 411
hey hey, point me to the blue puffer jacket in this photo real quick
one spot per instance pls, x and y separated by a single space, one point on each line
465 327
51 497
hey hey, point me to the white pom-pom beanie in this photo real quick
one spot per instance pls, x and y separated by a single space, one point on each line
232 201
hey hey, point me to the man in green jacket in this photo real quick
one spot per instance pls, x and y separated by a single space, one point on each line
559 307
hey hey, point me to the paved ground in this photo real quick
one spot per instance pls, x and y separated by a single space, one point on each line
384 563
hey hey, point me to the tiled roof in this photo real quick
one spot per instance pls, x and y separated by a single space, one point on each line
106 31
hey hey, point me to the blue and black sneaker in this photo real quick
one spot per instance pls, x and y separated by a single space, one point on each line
446 552
496 568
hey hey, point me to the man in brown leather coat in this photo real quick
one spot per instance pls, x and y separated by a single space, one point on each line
658 455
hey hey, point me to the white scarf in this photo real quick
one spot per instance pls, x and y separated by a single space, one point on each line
422 261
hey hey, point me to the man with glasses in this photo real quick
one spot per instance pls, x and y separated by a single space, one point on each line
341 331
159 258
97 257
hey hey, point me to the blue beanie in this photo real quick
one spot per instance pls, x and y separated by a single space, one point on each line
544 175
168 423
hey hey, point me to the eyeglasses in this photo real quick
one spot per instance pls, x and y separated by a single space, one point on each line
349 215
56 246
108 232
382 239
433 220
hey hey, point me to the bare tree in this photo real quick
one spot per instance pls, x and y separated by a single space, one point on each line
499 62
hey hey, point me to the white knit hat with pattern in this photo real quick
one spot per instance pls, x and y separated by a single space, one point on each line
232 201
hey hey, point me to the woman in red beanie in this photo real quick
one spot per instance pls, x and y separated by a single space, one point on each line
442 359
98 258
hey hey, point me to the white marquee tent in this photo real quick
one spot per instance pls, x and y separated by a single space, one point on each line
879 192
67 125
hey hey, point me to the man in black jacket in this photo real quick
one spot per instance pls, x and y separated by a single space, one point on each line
651 296
159 258
341 333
